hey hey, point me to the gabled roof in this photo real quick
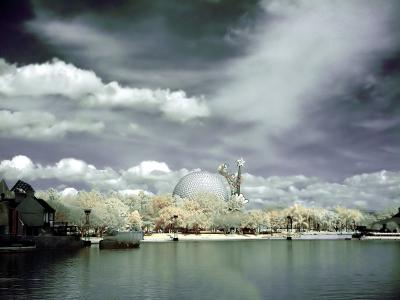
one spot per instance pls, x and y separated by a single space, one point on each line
395 218
23 187
397 215
3 186
385 221
45 205
5 190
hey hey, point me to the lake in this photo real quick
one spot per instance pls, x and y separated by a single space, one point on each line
270 269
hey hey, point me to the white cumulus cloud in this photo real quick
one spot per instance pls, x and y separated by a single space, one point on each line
18 166
148 175
69 192
49 78
148 167
85 88
42 125
136 192
378 190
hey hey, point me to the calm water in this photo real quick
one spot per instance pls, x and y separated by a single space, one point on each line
209 270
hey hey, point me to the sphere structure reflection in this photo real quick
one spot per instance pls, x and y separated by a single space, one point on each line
201 182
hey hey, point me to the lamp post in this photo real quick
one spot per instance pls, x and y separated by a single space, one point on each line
87 223
289 221
175 238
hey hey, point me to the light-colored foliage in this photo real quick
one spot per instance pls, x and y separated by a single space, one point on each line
204 212
134 221
236 203
166 219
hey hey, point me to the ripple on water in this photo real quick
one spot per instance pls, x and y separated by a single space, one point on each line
209 270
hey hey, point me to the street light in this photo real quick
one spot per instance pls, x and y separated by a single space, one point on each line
87 226
175 238
289 221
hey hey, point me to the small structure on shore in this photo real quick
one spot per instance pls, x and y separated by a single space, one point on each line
122 240
27 222
21 213
390 224
384 229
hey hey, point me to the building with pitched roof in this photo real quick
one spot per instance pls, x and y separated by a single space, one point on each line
389 225
21 213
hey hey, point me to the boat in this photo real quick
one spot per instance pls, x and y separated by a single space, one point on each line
122 240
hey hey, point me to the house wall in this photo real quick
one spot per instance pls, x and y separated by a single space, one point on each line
3 218
20 197
3 214
31 212
391 225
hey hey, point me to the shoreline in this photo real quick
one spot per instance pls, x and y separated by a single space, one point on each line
167 237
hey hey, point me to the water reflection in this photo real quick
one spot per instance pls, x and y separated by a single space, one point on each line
208 270
27 274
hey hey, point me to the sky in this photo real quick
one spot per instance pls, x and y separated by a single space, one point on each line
133 95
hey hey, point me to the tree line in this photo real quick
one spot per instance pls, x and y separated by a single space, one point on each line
164 213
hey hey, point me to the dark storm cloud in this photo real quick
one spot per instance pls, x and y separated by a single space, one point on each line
173 44
190 19
151 43
13 13
359 130
18 45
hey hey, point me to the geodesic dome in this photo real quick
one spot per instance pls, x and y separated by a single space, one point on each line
199 182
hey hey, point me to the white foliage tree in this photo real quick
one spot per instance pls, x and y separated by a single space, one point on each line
134 221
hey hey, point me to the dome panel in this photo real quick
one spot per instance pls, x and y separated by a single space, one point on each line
201 182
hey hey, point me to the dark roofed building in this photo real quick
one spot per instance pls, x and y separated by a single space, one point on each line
48 213
22 187
21 213
389 225
397 215
45 205
5 191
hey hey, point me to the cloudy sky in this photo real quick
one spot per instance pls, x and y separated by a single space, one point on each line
130 95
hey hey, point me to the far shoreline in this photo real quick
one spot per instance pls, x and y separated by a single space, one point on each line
209 237
168 237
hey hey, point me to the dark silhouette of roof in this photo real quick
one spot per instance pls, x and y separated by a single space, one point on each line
45 205
395 218
5 192
23 187
397 215
3 186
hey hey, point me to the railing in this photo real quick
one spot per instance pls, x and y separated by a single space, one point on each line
8 239
62 228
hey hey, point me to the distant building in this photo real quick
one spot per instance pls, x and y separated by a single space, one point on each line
389 225
21 213
200 182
